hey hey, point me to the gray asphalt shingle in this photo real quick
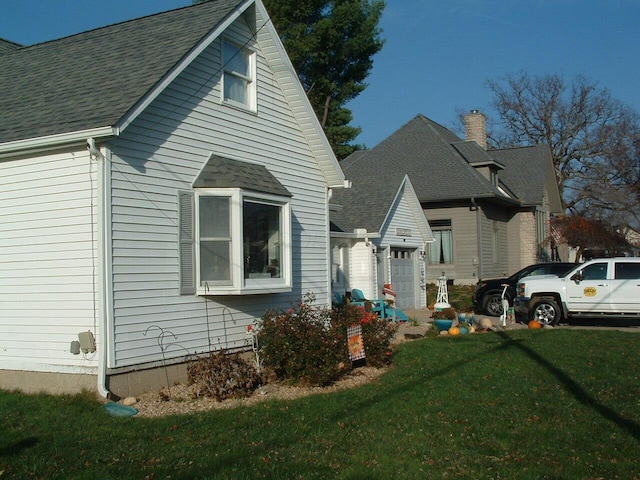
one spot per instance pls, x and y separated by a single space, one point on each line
525 171
221 172
93 79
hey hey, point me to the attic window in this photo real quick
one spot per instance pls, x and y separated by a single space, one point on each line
238 82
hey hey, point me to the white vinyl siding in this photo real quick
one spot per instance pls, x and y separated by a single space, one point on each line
48 261
362 271
161 153
395 235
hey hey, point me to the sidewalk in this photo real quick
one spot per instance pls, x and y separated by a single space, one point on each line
420 322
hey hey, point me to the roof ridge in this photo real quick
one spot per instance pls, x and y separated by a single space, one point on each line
111 25
515 147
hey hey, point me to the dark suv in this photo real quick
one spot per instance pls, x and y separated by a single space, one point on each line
487 296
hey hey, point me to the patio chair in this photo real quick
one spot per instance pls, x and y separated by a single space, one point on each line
378 306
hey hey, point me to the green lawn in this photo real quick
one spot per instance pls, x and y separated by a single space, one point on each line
523 404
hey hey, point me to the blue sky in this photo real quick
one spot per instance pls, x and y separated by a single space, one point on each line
438 54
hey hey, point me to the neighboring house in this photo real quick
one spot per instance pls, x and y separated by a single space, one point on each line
378 236
489 210
163 182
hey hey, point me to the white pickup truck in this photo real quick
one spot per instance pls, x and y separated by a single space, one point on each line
602 287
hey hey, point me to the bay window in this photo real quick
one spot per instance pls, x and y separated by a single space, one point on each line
234 230
242 242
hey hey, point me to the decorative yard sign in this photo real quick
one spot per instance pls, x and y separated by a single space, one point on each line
356 345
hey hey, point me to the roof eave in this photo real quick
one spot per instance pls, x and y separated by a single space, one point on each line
483 196
37 144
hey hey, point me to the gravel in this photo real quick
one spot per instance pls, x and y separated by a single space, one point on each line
177 399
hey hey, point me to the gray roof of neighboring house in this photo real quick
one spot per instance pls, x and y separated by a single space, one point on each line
93 79
365 204
436 160
525 172
221 172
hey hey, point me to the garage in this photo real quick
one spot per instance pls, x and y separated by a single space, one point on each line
403 277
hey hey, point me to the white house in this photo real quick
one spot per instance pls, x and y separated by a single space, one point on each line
378 237
163 182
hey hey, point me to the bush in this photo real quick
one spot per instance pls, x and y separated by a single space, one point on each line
308 345
221 376
377 333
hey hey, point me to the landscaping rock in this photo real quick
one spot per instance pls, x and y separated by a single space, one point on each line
129 401
485 323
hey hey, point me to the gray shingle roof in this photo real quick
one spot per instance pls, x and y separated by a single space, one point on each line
525 172
8 46
365 204
425 151
221 172
93 79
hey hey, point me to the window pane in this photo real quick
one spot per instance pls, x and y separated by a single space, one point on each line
235 88
215 239
627 271
262 241
215 261
595 271
236 60
214 217
441 251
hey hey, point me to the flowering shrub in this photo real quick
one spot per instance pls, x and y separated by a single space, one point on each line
377 333
307 345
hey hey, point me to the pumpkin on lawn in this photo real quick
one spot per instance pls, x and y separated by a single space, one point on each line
454 331
534 324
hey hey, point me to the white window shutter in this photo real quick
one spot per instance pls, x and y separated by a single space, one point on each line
186 243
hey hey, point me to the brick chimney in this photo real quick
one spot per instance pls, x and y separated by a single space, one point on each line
475 128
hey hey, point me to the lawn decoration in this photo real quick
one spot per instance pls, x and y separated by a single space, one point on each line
533 324
355 343
442 298
454 331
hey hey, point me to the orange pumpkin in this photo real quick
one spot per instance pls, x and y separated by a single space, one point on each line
534 324
454 331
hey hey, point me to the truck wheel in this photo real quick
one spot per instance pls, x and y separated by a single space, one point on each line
493 305
546 311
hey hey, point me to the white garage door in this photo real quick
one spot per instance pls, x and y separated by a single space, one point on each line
403 278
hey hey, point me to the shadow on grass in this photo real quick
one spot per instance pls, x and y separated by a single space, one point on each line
579 393
18 447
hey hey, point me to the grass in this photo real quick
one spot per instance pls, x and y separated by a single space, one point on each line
521 404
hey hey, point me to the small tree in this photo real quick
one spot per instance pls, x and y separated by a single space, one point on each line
588 234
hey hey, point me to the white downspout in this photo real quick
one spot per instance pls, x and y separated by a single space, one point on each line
103 196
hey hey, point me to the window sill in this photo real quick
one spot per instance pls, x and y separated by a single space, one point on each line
247 290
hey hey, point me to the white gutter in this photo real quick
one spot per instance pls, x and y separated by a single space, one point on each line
46 143
357 234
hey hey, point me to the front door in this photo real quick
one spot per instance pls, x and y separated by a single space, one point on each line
593 292
403 278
